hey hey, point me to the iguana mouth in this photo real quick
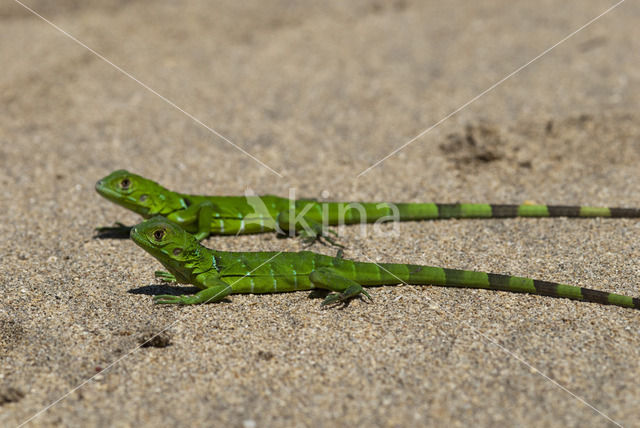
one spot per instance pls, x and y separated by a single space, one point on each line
106 192
140 239
135 235
127 201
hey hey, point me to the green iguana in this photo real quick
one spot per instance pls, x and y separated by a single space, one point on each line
225 215
220 273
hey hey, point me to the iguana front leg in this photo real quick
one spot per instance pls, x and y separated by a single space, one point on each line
307 229
343 288
165 276
199 214
216 290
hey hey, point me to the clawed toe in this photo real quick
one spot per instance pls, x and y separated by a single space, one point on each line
164 276
331 241
167 299
367 294
309 240
332 299
335 299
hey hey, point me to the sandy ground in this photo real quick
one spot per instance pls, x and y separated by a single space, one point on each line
319 93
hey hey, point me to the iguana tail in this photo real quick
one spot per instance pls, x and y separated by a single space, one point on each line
372 212
427 211
428 275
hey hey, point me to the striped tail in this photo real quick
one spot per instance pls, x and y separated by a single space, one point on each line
436 211
428 275
371 212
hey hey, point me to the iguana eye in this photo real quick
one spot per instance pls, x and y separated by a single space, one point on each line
158 234
177 251
143 198
125 183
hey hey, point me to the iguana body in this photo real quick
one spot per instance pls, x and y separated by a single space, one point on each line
220 273
204 215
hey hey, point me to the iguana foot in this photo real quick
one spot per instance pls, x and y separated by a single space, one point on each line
330 240
344 289
345 296
311 237
165 276
170 299
310 231
318 293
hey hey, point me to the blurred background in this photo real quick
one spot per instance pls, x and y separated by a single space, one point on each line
311 95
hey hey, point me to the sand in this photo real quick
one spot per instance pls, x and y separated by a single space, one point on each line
320 92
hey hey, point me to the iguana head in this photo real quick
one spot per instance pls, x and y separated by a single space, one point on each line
176 249
137 193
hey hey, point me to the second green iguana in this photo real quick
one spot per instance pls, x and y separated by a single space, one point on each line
230 215
220 273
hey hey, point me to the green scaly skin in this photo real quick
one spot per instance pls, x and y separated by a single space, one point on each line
219 274
231 215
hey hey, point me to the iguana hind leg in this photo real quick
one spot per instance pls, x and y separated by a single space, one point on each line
343 288
310 231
